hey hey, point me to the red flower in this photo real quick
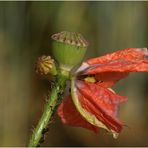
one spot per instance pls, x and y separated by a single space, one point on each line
92 103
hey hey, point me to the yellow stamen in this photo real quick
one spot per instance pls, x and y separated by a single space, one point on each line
90 79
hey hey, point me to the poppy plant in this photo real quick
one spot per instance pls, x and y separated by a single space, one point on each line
92 103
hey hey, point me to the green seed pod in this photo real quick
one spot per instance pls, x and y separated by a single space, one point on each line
68 49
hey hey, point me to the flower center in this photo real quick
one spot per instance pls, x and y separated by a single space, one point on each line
90 79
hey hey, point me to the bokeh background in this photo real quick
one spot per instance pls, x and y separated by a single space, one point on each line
25 30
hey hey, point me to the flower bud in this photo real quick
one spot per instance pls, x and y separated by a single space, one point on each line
45 65
68 49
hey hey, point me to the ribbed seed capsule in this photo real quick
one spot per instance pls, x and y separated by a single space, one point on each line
68 49
45 65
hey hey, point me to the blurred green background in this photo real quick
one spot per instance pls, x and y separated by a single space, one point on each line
25 30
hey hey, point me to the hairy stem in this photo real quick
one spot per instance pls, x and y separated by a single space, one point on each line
50 107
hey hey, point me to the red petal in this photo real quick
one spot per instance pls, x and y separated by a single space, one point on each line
120 66
102 103
130 54
70 116
128 60
108 79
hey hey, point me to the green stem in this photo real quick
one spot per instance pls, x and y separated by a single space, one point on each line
50 107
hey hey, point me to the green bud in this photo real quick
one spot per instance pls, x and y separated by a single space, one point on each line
45 65
68 49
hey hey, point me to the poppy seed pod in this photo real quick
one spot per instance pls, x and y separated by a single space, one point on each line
68 49
45 65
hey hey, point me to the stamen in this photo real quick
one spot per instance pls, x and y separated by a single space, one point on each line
90 79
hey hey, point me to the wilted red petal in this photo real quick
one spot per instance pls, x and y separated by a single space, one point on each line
119 66
119 63
102 103
108 79
69 115
129 54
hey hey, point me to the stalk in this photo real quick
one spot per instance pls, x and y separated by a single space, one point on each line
49 109
68 50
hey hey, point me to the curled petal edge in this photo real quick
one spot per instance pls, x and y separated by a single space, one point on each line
70 116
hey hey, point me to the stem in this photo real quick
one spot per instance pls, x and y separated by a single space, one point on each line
50 107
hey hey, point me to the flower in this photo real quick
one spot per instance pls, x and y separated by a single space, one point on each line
92 103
